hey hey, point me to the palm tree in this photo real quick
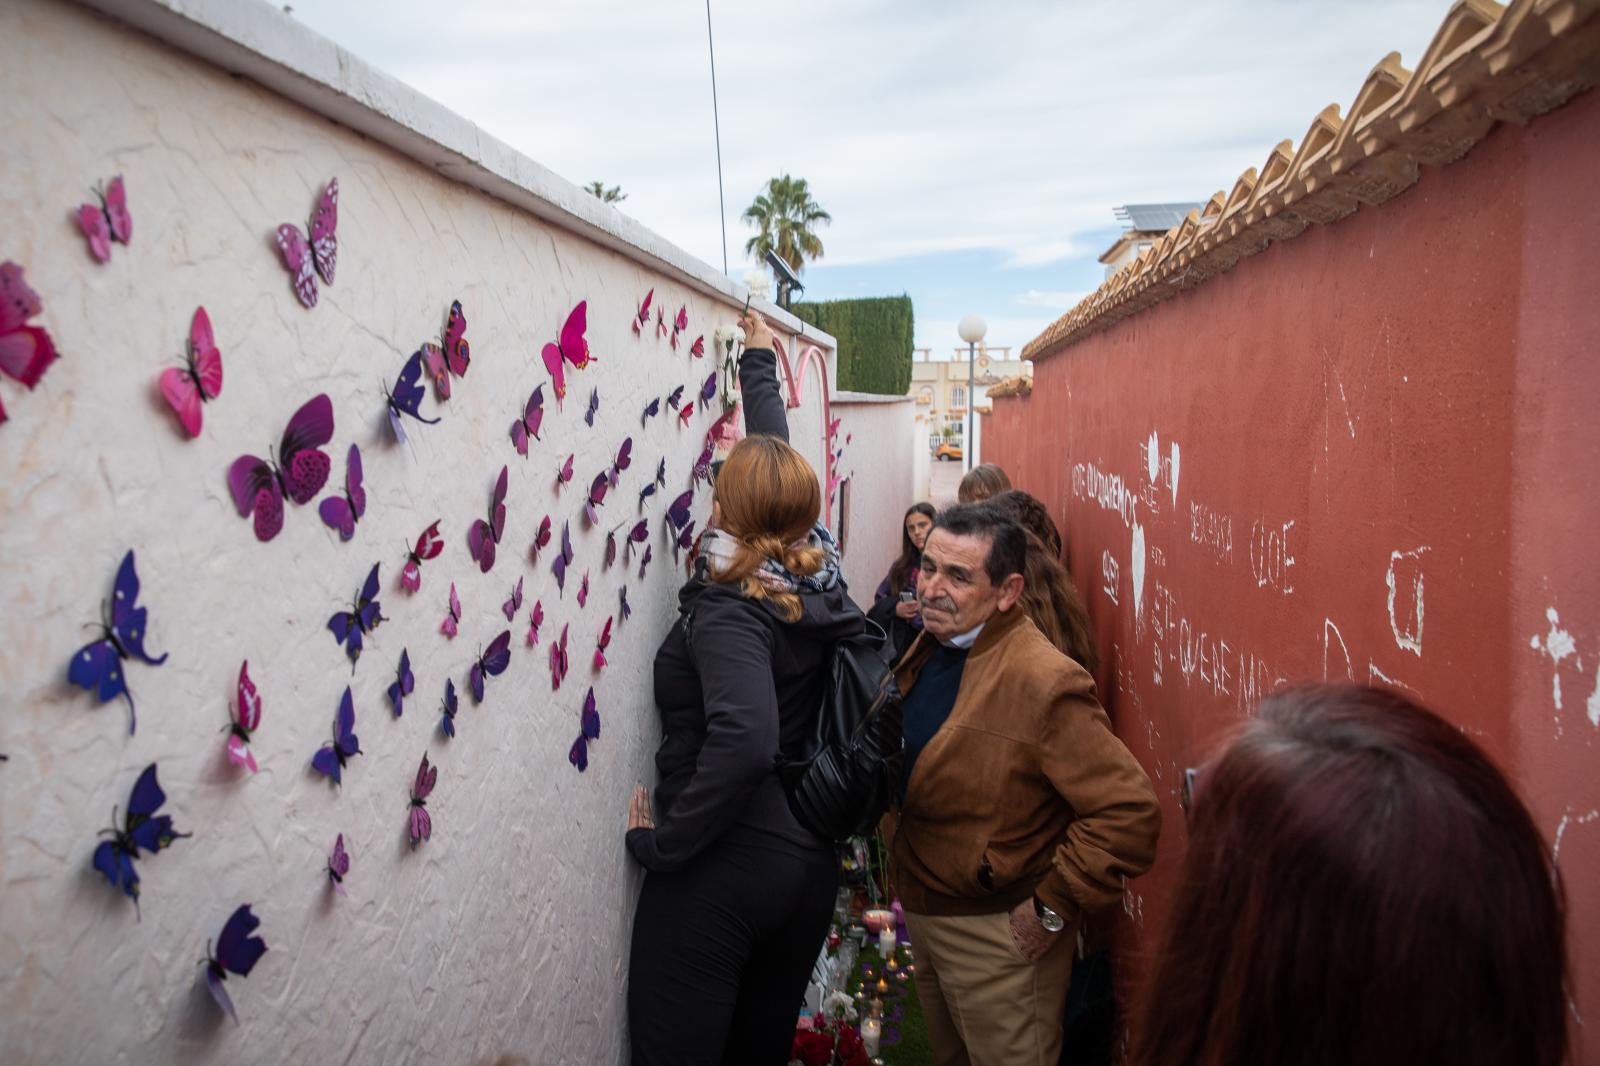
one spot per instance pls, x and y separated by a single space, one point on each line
598 190
785 216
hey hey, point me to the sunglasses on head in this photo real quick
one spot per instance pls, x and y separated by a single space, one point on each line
1186 792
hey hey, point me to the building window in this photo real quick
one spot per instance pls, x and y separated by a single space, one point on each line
925 397
958 396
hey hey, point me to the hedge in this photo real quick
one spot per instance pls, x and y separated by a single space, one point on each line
875 338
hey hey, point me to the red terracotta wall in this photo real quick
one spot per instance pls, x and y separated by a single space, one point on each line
1369 452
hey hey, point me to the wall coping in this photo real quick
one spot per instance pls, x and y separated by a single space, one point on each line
867 397
259 41
1487 64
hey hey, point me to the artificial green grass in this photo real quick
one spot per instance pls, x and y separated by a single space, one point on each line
913 1048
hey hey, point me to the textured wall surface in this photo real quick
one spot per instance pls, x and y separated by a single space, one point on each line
1370 453
877 461
508 930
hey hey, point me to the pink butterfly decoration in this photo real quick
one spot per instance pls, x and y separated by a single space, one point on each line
571 347
452 621
419 823
679 324
540 539
484 533
698 348
305 259
558 661
453 357
338 866
514 604
201 378
259 487
527 424
246 720
601 646
26 352
642 318
429 545
583 590
535 620
109 222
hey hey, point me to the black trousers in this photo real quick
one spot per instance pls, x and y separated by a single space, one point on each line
722 951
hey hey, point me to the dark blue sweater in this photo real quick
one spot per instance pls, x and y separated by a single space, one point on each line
930 702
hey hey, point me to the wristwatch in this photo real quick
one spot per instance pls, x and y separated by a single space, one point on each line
1052 922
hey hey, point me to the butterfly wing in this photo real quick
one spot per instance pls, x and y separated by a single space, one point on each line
247 712
179 390
296 255
709 388
203 352
578 754
643 316
337 514
514 604
497 505
480 543
305 468
651 409
601 645
644 562
452 620
237 950
498 657
421 823
675 397
404 681
422 787
622 596
475 680
540 539
345 726
219 993
127 618
408 391
564 471
434 362
324 235
145 829
98 668
583 590
118 217
678 510
594 405
353 478
239 753
116 866
448 721
368 611
698 348
591 717
574 348
455 340
96 230
558 378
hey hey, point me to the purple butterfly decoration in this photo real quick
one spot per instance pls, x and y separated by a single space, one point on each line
597 498
583 590
702 465
419 824
142 829
563 559
621 462
98 666
675 397
564 472
484 533
447 724
514 604
622 596
237 952
579 755
321 252
331 759
344 511
684 541
594 405
363 617
639 533
535 620
558 661
709 389
528 424
491 663
259 487
678 510
611 547
404 683
540 539
649 553
645 493
406 397
651 409
338 865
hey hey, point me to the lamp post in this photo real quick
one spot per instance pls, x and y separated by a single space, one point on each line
972 328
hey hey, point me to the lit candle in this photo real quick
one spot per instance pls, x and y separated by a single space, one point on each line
886 941
892 965
871 1033
902 976
883 985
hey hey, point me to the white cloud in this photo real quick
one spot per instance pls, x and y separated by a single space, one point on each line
1059 300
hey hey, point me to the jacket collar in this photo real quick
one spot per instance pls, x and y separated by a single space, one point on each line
916 657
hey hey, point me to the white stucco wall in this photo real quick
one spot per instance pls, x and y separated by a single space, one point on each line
878 461
508 931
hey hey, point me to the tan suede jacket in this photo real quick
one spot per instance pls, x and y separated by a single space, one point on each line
1023 790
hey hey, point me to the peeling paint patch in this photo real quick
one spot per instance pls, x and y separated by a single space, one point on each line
1405 598
1556 645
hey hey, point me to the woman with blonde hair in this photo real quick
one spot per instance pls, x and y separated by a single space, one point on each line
981 482
738 894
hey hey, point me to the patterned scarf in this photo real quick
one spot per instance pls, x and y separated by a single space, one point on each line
718 549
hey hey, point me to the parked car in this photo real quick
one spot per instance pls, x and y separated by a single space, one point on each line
946 451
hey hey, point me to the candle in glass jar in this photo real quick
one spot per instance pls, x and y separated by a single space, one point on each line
871 1034
886 941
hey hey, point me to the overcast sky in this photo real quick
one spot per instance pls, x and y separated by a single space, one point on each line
970 154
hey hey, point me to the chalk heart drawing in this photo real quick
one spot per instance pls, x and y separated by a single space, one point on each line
1137 568
1174 485
1405 598
1152 457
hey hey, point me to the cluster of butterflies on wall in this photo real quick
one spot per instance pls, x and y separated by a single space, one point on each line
299 469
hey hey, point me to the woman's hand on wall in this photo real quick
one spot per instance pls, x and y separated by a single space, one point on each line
639 816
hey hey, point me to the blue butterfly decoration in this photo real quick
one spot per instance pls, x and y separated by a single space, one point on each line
332 758
237 952
406 398
404 682
363 617
141 829
594 405
97 666
491 663
447 724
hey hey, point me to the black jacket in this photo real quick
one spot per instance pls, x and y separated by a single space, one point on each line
744 684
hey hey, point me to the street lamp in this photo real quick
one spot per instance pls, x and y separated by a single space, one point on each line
972 328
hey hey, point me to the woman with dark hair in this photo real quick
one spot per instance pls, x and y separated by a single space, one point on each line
1048 594
738 894
1362 885
981 482
1029 512
894 607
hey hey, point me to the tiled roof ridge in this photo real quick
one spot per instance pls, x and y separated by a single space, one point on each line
1488 63
1021 385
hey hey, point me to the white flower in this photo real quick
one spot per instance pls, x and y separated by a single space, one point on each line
759 283
839 1005
723 335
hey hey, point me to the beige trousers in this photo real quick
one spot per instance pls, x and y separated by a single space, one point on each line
983 1004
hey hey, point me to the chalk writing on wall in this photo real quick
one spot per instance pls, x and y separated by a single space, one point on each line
1108 490
1212 530
1271 557
1405 598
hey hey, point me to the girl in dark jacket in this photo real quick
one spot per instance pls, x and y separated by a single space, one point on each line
894 606
739 894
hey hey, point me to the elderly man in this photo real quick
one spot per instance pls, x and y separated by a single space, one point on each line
1021 809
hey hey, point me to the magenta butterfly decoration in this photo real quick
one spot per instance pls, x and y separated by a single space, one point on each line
484 533
558 661
452 621
564 472
331 758
259 486
675 397
679 324
602 644
661 323
621 462
596 497
406 398
109 222
583 590
26 352
702 465
344 511
98 665
491 663
594 405
404 683
238 951
527 425
558 566
698 348
200 379
429 545
453 357
571 347
651 409
622 596
338 865
685 413
590 731
419 824
246 719
447 724
364 615
535 620
639 533
644 561
305 259
540 539
514 604
642 317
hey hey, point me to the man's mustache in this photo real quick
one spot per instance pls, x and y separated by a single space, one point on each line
939 603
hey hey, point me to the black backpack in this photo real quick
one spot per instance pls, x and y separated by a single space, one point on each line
846 773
